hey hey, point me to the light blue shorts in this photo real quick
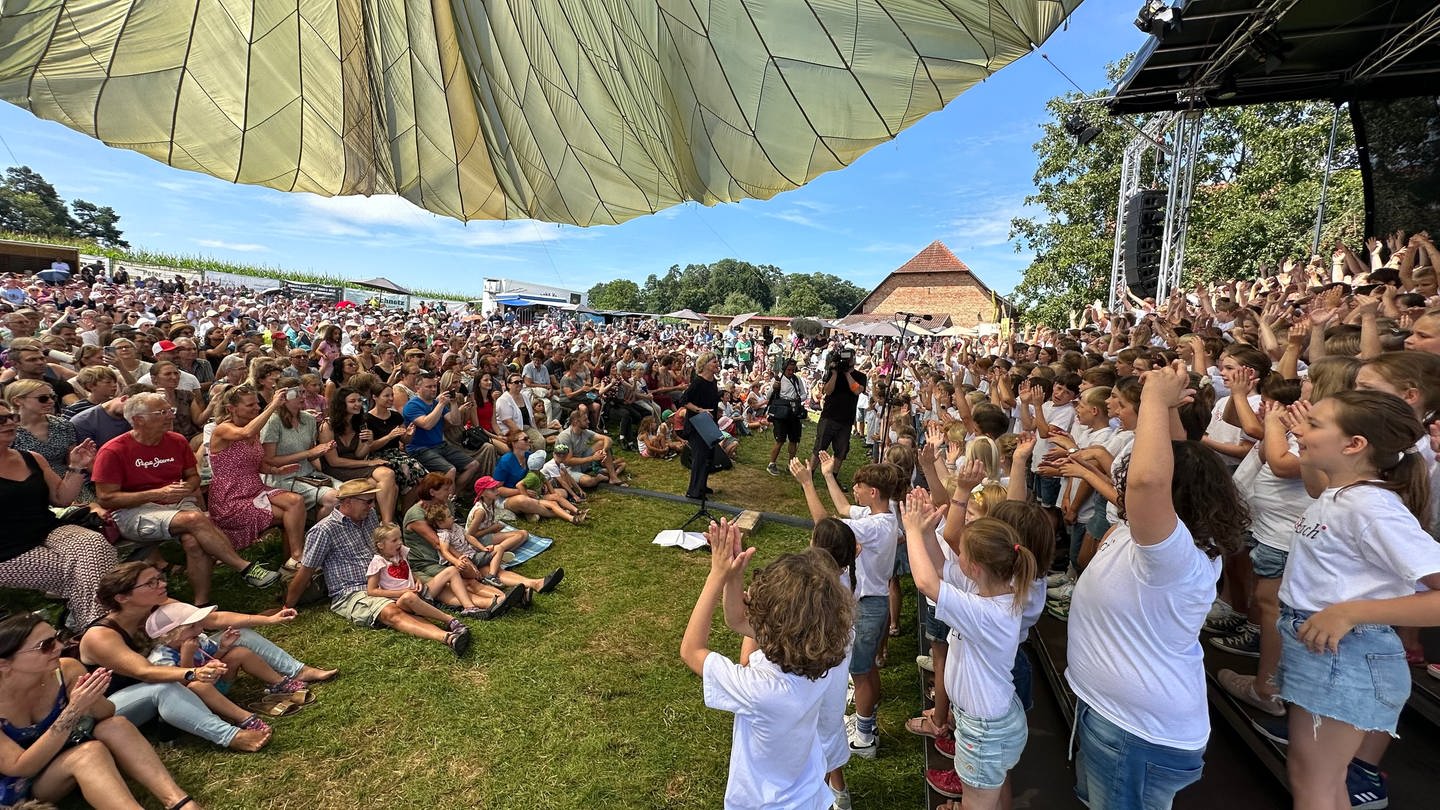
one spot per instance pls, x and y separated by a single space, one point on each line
1365 684
1268 562
986 750
872 617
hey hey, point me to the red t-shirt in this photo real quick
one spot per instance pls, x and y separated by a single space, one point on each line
137 467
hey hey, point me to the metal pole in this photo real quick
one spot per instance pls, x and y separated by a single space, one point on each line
1325 181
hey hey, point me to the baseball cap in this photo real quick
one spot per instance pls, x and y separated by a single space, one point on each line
162 346
485 482
536 460
174 615
279 336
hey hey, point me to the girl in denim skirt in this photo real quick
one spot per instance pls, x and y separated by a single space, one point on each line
980 594
1355 560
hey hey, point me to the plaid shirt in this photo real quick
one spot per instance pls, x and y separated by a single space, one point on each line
343 548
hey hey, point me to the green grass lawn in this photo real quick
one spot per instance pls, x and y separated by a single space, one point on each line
581 702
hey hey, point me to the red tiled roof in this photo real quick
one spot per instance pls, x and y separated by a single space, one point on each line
936 258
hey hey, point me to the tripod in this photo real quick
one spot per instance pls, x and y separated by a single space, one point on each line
879 451
702 512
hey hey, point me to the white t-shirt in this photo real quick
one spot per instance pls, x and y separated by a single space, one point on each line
1134 638
1226 433
1428 454
877 536
1084 437
1056 416
775 756
1119 444
1355 543
830 725
985 632
389 569
1275 503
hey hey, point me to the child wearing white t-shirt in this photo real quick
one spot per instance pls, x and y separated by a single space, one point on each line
804 614
389 576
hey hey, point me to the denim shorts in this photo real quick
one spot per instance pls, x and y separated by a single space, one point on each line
1098 524
1117 770
1268 562
937 631
986 750
872 617
902 559
1365 684
1024 678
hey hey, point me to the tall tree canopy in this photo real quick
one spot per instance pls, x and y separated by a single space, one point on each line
732 287
29 204
1257 188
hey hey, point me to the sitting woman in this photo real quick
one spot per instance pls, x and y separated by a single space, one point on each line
189 411
348 443
430 553
58 732
37 552
289 439
40 430
509 470
390 434
241 504
656 440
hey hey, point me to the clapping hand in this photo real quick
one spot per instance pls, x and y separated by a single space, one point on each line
728 557
802 471
86 691
1168 384
968 475
827 463
919 515
82 455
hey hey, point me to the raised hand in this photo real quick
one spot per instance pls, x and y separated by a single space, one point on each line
1243 382
916 513
82 455
802 470
827 463
1168 384
1025 444
968 475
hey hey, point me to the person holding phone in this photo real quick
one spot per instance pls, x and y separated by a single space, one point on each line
289 438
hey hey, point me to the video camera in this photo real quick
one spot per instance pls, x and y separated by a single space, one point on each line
841 359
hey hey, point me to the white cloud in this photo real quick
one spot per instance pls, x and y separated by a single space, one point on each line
243 247
401 223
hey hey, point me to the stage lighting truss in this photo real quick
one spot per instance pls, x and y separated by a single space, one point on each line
1168 146
1157 18
1396 49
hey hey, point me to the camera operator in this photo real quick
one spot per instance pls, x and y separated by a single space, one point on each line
840 388
787 397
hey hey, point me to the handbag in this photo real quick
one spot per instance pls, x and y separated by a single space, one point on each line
779 411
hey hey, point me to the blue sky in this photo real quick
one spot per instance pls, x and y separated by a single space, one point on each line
958 176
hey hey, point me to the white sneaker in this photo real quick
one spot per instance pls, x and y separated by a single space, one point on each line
925 662
842 799
1060 593
862 745
1058 578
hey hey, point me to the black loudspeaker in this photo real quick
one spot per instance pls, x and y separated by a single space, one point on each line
1144 232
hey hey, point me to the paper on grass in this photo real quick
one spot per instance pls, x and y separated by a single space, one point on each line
686 540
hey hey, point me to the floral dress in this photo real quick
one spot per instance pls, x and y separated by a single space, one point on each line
56 447
239 500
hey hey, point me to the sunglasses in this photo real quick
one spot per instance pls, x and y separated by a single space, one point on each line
44 646
9 418
44 397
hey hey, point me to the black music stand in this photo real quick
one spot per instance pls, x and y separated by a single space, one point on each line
704 424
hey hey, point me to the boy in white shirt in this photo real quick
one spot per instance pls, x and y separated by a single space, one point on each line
877 531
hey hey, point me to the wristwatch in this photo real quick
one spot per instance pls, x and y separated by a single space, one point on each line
189 676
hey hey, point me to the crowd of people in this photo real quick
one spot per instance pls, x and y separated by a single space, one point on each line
1248 464
1252 459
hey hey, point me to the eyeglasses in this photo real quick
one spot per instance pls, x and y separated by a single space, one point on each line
44 397
152 582
514 382
44 646
163 412
9 418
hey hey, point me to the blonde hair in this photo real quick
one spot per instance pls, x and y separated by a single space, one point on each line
987 452
20 389
382 533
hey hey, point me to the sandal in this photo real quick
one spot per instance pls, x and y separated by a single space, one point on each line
923 726
180 804
275 704
552 580
296 690
458 642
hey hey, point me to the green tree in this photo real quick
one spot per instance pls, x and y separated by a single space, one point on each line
96 222
29 204
840 295
1256 190
622 294
802 300
737 303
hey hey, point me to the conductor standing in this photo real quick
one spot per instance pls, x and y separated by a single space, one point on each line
702 396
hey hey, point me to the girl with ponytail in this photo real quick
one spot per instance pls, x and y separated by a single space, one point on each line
1355 559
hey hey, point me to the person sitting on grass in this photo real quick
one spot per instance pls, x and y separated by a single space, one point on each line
509 470
590 452
483 524
538 483
561 483
342 545
656 440
475 579
389 576
180 641
61 733
800 615
878 532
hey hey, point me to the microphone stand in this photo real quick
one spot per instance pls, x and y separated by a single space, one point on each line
880 446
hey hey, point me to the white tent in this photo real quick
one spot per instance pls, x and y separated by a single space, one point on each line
580 111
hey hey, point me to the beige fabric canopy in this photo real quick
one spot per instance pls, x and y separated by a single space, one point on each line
578 111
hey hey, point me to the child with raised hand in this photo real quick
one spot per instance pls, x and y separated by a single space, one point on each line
389 576
876 530
800 616
1355 560
980 596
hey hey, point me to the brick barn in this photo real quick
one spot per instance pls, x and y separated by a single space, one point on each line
935 282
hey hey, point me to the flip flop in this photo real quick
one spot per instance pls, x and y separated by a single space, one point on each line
552 580
276 705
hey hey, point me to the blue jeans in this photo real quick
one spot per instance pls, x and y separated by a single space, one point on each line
1117 770
176 705
279 660
1077 542
1023 678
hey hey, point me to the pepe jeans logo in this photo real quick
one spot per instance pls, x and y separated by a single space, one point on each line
1309 530
154 462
